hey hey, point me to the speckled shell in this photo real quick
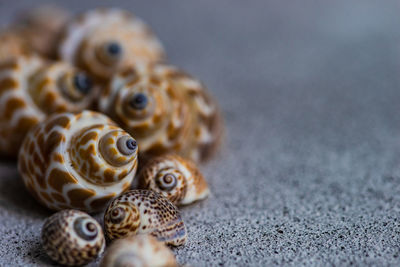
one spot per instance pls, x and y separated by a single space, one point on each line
141 212
176 178
77 161
85 39
30 90
41 27
179 116
139 250
12 44
72 238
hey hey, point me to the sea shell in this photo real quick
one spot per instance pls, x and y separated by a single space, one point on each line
72 237
139 250
165 109
176 178
78 161
41 27
12 44
141 212
30 90
103 41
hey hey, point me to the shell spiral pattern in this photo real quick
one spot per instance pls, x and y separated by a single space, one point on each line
103 41
176 178
165 109
139 250
78 161
30 90
141 212
72 238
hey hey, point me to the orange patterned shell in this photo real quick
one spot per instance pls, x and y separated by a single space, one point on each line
165 109
30 90
103 41
176 178
144 212
139 250
78 161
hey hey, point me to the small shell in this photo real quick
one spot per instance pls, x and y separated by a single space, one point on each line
166 110
103 41
72 238
12 44
141 212
30 90
139 250
177 179
78 161
41 27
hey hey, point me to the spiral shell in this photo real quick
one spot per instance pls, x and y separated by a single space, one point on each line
41 27
176 178
139 250
78 161
30 90
103 41
12 44
165 110
72 238
141 212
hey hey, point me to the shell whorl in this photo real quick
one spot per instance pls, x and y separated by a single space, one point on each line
104 41
62 173
72 238
179 115
139 250
176 178
141 212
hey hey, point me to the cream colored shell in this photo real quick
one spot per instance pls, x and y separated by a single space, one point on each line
104 41
72 238
176 178
78 161
142 212
175 114
30 90
140 251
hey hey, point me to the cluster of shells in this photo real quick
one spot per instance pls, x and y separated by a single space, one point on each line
83 99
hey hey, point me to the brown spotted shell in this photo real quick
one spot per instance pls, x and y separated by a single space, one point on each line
31 89
139 250
41 27
165 109
103 41
176 178
12 44
72 238
78 161
141 212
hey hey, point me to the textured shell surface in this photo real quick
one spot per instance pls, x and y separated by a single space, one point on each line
72 238
165 109
144 212
174 177
41 27
103 41
78 161
31 89
140 250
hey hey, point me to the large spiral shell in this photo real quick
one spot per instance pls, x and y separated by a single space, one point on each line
30 90
103 41
139 250
141 212
72 238
165 110
176 178
78 161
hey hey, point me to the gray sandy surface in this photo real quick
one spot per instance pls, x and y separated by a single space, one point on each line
310 170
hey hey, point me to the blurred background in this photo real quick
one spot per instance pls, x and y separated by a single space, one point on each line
309 173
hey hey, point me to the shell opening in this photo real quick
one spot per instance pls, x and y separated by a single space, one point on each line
110 52
75 86
166 181
138 101
127 145
117 215
85 228
118 149
139 104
